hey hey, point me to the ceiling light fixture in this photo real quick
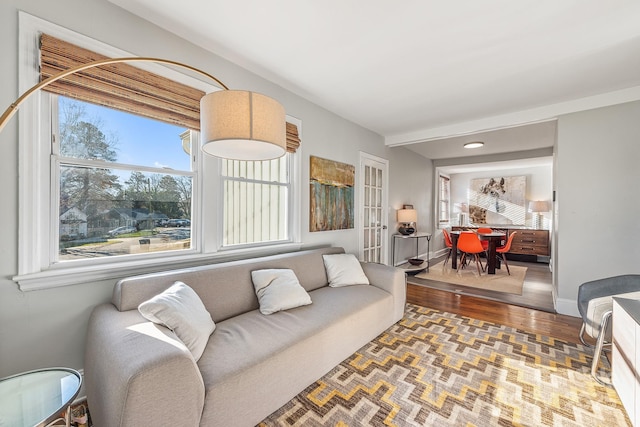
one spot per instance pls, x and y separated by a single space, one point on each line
475 144
235 124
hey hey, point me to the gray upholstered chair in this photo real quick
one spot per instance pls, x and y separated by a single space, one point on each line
595 304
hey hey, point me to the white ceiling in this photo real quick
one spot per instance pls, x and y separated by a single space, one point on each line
506 140
420 70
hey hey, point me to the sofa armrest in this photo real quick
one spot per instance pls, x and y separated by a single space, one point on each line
390 279
138 373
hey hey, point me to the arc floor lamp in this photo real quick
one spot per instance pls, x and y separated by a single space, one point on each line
235 124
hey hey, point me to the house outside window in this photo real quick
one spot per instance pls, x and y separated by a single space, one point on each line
140 202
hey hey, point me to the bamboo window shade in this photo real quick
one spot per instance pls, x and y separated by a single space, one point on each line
119 86
293 140
125 87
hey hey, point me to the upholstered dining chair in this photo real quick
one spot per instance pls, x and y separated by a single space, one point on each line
595 304
469 244
501 251
449 244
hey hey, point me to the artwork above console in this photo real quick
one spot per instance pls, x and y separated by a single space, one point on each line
498 200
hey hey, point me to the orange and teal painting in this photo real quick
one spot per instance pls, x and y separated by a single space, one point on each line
331 197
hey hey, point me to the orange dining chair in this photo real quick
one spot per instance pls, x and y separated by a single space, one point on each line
449 244
502 250
485 243
469 244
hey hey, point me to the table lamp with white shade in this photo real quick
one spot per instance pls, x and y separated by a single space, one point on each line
537 207
407 219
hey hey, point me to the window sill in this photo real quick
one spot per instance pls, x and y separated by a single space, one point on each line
73 275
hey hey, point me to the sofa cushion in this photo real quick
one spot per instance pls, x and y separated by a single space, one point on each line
250 338
278 289
180 309
344 270
286 351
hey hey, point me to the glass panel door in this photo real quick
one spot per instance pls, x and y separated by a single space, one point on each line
373 190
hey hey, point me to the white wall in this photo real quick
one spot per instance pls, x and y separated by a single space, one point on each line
47 328
412 184
597 199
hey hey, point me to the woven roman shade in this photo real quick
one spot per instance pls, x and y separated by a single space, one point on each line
293 140
120 86
125 87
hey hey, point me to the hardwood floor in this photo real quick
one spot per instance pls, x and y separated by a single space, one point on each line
537 291
533 311
527 319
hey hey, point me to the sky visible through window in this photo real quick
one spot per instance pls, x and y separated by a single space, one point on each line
142 141
126 208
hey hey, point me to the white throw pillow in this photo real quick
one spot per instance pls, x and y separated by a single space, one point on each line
344 270
180 309
278 289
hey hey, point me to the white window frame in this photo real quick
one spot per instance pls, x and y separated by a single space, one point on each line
443 223
222 207
55 166
213 201
36 238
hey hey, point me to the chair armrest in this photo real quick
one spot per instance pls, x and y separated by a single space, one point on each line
138 373
606 287
390 279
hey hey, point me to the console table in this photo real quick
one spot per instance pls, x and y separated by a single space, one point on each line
408 267
625 364
37 398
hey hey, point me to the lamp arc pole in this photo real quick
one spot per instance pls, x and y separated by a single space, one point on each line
235 124
11 110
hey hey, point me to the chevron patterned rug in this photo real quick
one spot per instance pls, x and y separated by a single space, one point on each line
440 369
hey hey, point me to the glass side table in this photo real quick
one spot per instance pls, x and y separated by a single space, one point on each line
407 266
37 398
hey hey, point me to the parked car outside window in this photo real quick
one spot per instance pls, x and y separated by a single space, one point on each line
122 230
178 223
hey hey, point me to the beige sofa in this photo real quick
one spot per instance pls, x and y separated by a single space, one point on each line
138 373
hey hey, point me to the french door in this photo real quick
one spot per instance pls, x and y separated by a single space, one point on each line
374 200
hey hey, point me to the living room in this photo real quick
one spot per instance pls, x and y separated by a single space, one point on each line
45 311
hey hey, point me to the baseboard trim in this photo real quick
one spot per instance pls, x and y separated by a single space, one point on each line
568 307
441 252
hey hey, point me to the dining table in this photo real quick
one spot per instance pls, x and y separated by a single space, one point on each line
494 238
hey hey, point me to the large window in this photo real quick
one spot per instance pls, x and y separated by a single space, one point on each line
111 187
139 203
444 201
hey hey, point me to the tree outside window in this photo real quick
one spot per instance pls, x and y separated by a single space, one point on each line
119 185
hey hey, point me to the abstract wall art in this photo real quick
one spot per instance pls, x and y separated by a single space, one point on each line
332 195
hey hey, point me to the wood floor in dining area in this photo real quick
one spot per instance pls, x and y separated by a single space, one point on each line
531 320
537 290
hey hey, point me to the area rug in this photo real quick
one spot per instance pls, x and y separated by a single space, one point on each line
440 369
499 282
